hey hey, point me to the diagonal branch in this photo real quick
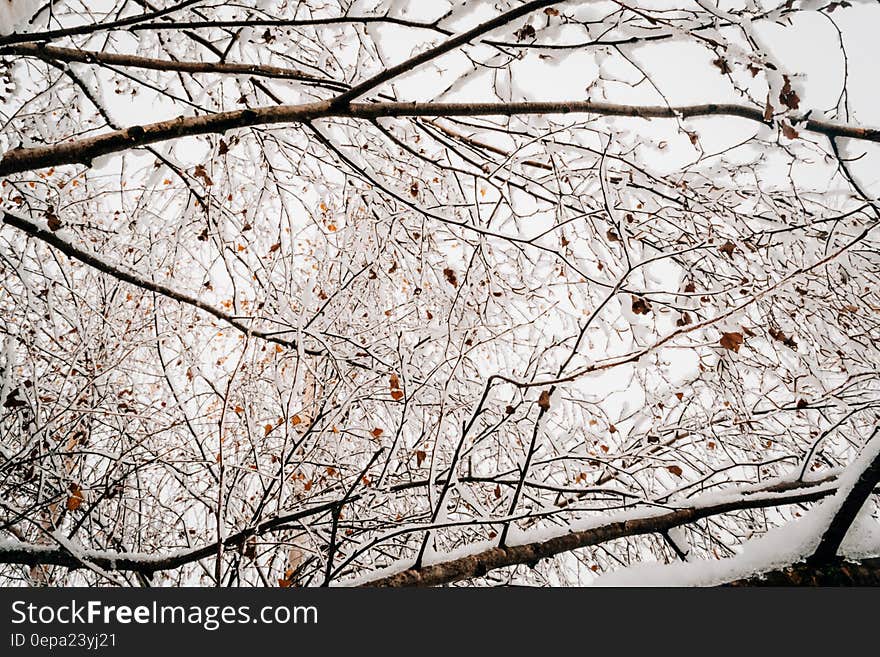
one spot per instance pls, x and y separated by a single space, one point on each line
849 509
432 53
127 276
477 565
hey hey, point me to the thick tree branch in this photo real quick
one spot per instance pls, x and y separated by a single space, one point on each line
84 151
838 572
479 564
18 552
849 509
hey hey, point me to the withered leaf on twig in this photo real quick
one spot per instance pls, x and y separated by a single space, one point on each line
544 400
731 341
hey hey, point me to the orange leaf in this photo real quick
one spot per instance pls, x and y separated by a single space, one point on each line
268 428
544 401
75 500
376 432
296 419
731 341
396 395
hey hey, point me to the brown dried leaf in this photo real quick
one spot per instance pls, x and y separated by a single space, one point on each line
75 499
789 131
788 96
727 248
451 278
201 173
544 400
525 32
722 65
52 220
640 306
731 341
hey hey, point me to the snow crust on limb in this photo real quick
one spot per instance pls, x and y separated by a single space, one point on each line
778 548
